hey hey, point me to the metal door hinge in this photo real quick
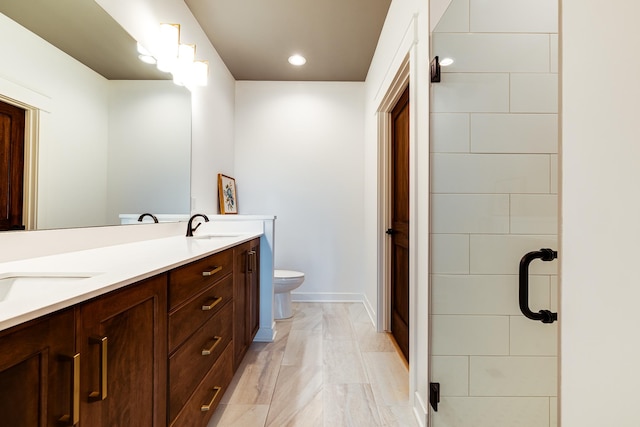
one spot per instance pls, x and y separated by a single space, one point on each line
434 395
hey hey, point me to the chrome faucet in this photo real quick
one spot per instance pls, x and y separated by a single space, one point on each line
148 214
191 228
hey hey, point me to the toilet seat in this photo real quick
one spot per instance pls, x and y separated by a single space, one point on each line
287 274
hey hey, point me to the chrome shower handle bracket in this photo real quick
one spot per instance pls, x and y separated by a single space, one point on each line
544 316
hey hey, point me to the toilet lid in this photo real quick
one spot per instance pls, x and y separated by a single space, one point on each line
287 274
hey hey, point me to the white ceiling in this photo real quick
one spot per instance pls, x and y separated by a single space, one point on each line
253 37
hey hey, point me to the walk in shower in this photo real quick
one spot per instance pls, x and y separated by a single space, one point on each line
494 185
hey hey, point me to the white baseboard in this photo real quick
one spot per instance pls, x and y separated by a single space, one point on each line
266 334
370 311
326 297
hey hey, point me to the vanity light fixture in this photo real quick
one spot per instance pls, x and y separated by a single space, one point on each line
297 60
177 58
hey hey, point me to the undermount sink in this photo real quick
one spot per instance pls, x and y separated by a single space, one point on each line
20 286
216 236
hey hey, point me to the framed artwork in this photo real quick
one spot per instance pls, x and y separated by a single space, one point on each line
227 194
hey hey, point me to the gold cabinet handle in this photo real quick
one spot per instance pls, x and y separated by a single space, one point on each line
206 407
212 304
101 394
73 417
208 351
212 272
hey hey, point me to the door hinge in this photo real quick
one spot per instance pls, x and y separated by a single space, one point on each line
434 395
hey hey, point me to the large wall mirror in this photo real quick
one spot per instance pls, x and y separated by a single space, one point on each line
112 135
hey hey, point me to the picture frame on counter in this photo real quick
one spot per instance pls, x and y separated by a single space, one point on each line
227 194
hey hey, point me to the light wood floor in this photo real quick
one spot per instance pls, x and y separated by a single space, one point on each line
327 367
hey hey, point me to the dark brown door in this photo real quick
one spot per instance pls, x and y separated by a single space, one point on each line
11 166
399 231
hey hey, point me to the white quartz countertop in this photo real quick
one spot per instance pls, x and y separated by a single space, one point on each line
80 276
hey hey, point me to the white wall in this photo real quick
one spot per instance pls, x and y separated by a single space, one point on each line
212 106
299 156
149 158
405 34
72 160
600 226
494 187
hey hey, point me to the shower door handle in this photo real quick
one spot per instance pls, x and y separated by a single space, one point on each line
545 316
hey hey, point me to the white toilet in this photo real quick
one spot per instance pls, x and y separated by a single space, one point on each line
284 281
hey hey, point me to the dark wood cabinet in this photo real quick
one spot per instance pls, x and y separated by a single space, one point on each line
122 340
246 297
36 373
200 338
158 352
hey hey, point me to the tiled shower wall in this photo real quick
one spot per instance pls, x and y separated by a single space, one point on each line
494 198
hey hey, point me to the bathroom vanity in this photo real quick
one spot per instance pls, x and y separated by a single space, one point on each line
148 337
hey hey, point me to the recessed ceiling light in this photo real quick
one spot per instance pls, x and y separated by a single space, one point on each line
297 60
445 62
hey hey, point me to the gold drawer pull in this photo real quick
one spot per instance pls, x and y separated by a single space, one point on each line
73 417
101 394
205 408
208 351
213 304
212 272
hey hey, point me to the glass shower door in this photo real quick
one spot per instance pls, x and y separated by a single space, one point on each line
493 196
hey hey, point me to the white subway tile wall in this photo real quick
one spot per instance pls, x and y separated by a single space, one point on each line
456 20
471 92
492 412
514 133
494 145
513 16
484 294
454 373
478 52
534 93
450 133
490 173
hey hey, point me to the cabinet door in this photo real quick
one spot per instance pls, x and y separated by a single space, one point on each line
253 291
36 373
246 297
240 276
122 339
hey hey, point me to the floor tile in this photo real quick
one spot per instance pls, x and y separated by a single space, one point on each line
342 362
388 377
304 348
298 397
239 415
327 367
255 379
350 405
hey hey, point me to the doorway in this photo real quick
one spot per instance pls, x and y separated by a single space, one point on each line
12 148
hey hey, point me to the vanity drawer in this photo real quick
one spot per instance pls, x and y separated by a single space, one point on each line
188 317
188 364
194 277
208 393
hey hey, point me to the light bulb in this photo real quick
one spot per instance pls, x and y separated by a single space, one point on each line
297 60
